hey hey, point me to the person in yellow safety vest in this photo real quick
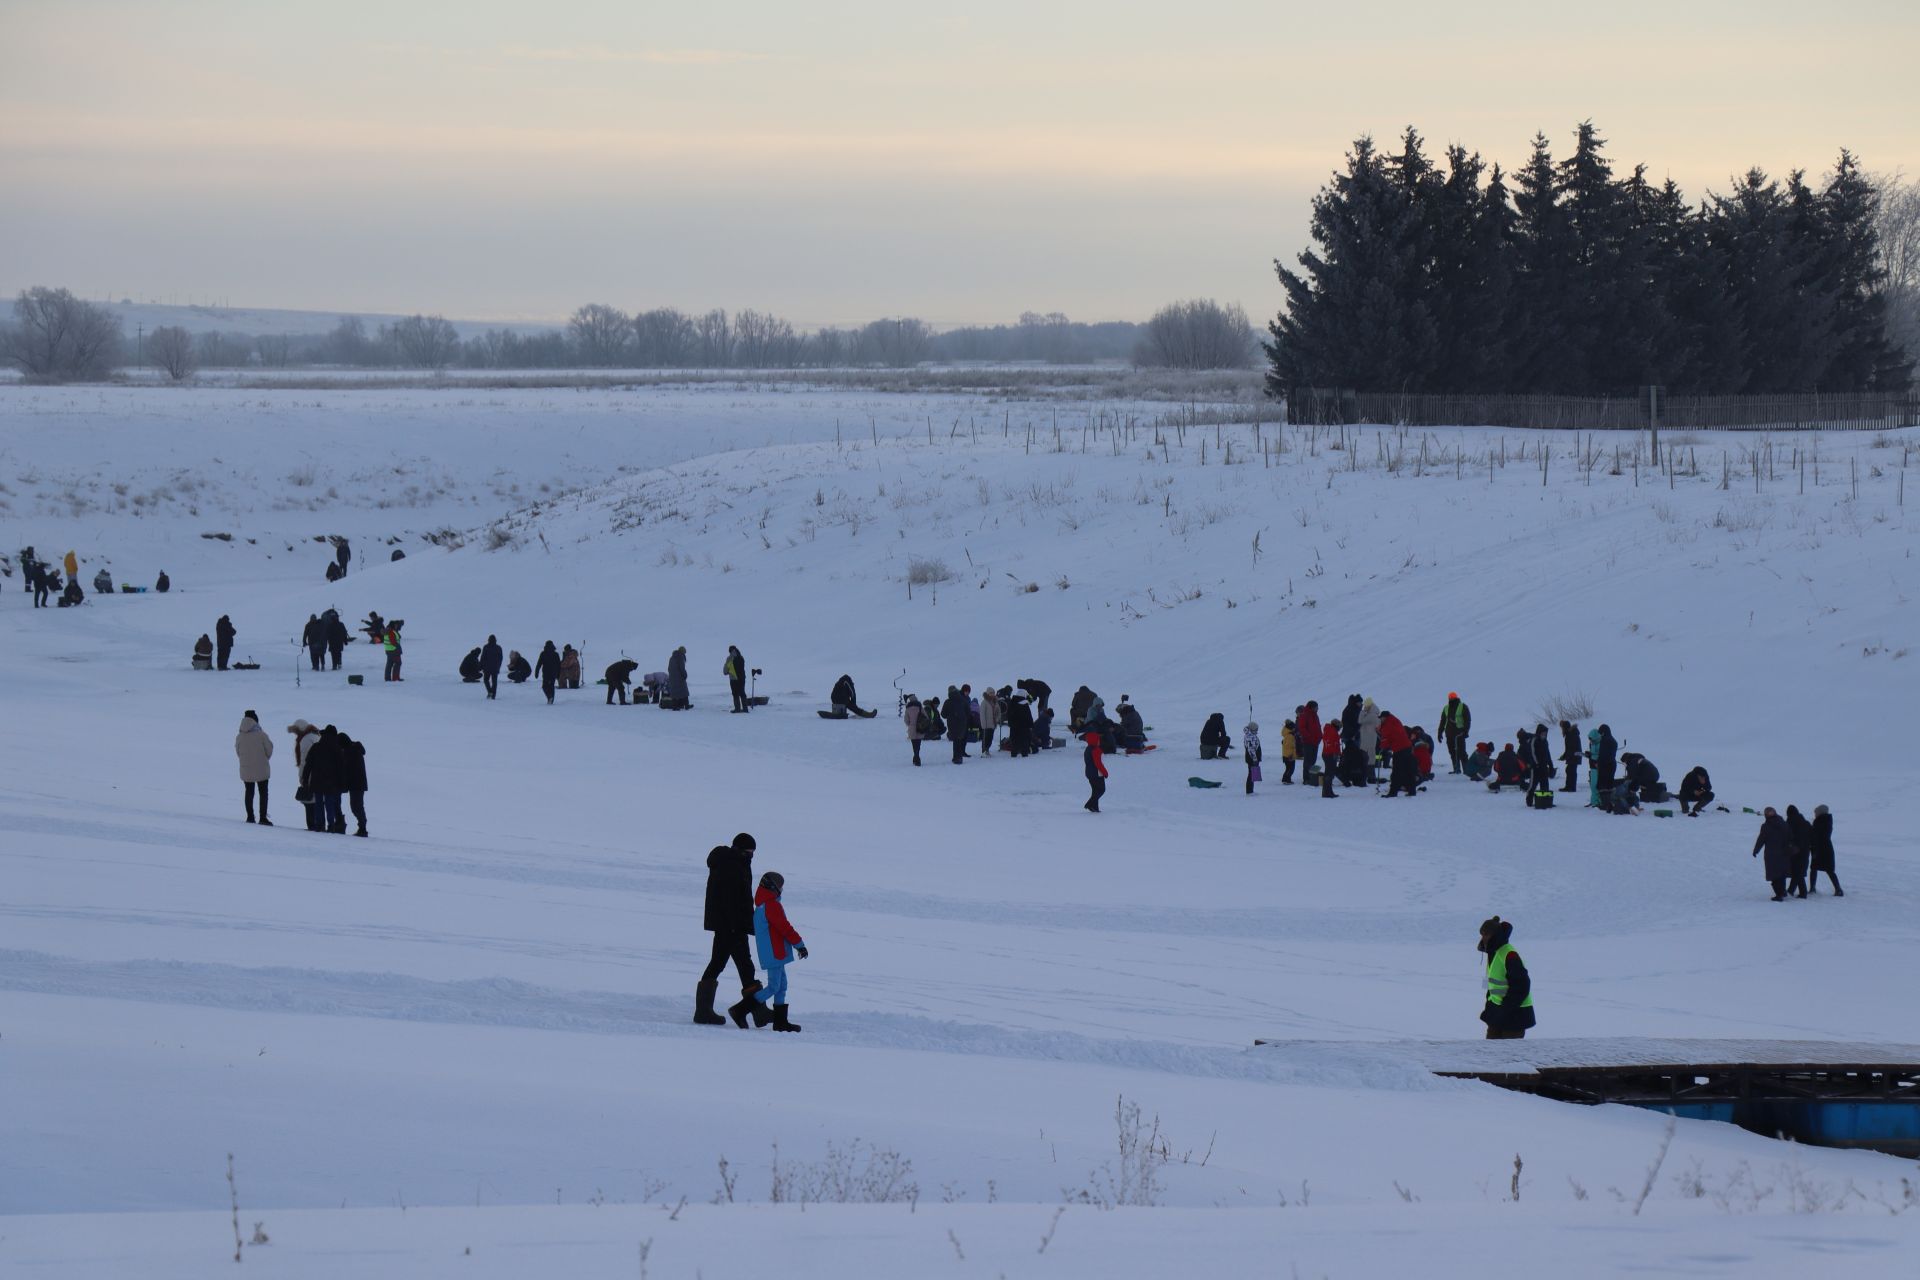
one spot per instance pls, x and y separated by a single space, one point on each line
1509 1009
73 566
391 643
1456 721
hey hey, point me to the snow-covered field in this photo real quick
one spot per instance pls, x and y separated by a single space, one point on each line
462 1046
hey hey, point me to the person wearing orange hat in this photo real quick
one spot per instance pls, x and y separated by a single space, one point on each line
1456 720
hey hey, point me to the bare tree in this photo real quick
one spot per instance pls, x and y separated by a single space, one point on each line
173 351
426 342
1899 235
898 343
664 339
216 350
1201 334
716 339
56 337
601 334
274 349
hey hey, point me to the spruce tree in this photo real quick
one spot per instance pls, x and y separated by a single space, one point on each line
1536 332
1348 320
1863 357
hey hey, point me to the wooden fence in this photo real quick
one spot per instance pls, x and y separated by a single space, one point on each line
1862 411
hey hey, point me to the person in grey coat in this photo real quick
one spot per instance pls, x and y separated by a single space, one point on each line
1777 843
677 679
254 746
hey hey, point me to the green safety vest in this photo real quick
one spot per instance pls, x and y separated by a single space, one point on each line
1497 978
1450 715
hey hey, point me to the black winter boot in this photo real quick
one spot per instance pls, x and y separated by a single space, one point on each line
780 1022
703 1005
749 1008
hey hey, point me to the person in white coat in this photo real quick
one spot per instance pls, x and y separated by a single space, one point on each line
254 746
305 737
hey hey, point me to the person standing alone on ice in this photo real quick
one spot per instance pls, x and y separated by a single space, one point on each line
1096 771
391 644
729 918
779 943
1509 1008
1250 752
255 748
223 634
1456 721
735 670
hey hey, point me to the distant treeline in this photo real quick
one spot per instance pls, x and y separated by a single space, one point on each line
55 336
605 337
1443 279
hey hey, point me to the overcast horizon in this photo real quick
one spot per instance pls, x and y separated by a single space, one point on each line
844 162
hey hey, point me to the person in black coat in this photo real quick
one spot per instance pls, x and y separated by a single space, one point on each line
729 918
490 666
1800 836
353 780
1077 709
547 667
322 774
1571 753
1823 850
337 636
1542 759
1038 690
469 667
1696 790
1019 726
163 583
223 634
519 670
959 717
314 636
1214 743
1777 844
1604 763
342 555
619 676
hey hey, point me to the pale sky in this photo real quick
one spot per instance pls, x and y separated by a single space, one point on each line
835 161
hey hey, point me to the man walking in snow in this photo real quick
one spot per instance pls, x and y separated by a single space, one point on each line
729 918
490 666
547 667
314 636
1096 771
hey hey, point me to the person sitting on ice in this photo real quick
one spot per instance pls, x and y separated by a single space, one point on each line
846 701
1132 734
203 653
1508 771
103 583
1479 765
163 584
518 668
1642 777
469 667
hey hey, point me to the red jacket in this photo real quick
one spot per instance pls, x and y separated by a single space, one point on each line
1330 741
771 926
1393 734
1307 725
1423 758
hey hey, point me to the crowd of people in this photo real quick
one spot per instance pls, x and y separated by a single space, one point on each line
49 589
1797 849
1014 718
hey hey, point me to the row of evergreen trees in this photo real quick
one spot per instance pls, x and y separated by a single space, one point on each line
1579 283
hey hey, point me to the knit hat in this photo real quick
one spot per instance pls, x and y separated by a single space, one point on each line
1251 728
744 843
1819 811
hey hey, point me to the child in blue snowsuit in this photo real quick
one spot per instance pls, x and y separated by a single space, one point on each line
778 943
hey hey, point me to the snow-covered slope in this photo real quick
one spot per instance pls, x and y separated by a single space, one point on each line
486 1003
